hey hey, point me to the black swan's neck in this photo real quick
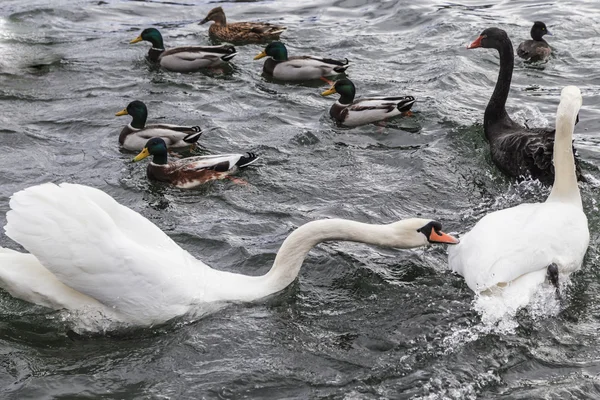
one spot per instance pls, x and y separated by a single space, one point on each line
495 112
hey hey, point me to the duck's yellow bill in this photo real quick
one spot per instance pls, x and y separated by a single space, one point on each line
137 39
122 112
145 153
261 55
329 91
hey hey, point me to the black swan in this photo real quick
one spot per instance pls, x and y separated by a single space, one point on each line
537 49
517 151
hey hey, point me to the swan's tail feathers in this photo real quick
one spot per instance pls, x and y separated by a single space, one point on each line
406 103
193 137
246 160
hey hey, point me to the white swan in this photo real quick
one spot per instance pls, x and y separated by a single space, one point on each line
513 250
88 252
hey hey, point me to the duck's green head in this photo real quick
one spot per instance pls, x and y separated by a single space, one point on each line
138 112
151 35
276 50
154 147
345 88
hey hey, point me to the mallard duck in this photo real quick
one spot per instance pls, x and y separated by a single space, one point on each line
240 32
184 59
95 257
135 135
192 171
300 68
348 112
536 49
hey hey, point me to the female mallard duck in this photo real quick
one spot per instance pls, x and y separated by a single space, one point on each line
300 68
536 49
348 112
93 256
193 171
240 32
184 59
135 135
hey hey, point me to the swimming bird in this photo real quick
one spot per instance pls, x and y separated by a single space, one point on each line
240 32
190 172
348 112
299 68
89 253
184 59
536 49
517 151
520 247
136 134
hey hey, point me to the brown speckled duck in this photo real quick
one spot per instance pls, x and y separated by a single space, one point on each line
240 32
190 172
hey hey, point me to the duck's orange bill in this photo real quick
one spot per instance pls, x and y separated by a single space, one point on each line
476 43
442 237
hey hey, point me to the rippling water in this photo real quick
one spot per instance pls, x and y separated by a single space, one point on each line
360 322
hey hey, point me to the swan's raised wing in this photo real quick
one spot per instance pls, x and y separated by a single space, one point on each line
104 250
510 243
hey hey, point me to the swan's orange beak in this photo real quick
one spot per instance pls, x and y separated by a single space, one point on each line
476 43
441 237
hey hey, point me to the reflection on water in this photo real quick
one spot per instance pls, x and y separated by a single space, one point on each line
360 322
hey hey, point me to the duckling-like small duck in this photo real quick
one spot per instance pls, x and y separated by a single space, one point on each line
299 68
240 32
350 113
190 172
184 59
537 49
135 135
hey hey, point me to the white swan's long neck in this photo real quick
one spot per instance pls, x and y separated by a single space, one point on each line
285 269
565 187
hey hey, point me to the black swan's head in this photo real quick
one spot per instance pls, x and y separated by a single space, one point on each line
538 30
491 38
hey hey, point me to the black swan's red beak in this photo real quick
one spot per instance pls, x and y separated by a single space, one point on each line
476 43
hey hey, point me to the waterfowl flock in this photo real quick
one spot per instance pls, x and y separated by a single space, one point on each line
88 252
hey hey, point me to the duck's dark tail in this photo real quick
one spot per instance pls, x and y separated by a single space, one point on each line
193 137
406 103
246 160
342 66
229 51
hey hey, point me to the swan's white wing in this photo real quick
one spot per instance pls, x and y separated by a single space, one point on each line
25 278
104 250
507 244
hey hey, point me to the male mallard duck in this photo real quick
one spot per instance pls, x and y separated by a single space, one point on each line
193 171
537 49
300 68
184 59
348 112
135 135
240 31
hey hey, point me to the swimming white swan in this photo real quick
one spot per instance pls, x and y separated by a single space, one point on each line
513 250
88 252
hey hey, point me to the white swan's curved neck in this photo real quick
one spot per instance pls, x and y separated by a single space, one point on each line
565 188
287 264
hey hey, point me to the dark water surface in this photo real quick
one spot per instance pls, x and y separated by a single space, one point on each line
360 322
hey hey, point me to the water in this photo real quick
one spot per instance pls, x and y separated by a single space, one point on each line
360 322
